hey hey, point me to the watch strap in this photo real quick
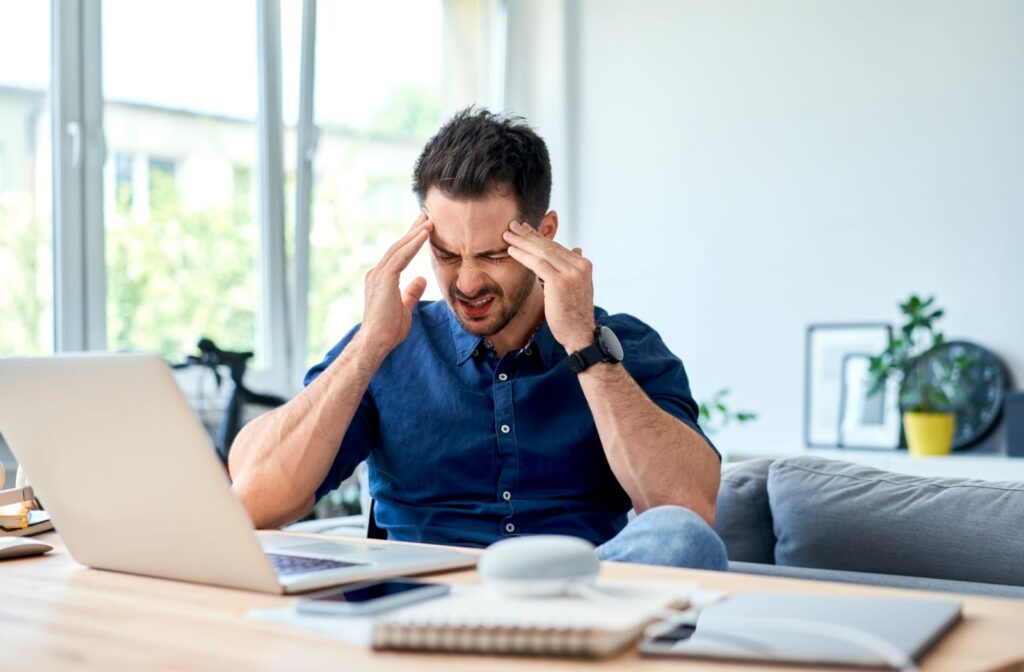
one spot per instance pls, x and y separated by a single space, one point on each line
592 354
584 359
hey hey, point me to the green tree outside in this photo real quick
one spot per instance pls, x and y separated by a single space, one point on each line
180 275
26 284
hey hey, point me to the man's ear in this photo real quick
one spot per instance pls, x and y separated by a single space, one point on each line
548 225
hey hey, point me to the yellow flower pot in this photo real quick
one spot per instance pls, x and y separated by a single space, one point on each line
929 434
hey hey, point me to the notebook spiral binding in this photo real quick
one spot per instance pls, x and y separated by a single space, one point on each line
481 638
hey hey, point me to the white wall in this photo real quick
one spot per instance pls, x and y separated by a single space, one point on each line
745 168
539 81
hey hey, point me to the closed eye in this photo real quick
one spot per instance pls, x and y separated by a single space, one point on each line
444 257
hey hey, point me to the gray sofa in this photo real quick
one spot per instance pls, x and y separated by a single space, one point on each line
812 518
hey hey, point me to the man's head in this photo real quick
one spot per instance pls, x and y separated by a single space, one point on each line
477 153
480 172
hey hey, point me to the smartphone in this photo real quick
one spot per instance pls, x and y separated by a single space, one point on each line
369 598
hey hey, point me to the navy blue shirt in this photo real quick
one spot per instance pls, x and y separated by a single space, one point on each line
465 448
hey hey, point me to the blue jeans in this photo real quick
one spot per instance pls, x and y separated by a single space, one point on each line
667 535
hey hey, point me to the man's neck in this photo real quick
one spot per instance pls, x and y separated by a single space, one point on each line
520 329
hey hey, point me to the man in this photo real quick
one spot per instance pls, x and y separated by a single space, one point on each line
502 410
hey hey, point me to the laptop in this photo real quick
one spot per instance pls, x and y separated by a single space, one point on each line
133 484
887 632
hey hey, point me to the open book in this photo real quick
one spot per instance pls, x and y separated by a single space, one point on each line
608 618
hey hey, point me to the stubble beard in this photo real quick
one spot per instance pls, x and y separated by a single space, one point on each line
507 312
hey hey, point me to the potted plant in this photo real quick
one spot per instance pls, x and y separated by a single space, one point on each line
928 402
715 413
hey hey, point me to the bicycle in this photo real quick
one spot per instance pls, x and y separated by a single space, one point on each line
241 400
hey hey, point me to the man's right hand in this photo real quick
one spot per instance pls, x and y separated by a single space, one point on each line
387 315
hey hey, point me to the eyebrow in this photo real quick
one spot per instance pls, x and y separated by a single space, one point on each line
486 253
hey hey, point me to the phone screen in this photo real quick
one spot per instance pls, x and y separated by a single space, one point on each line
374 591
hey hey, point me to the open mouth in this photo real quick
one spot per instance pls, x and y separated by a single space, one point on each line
477 308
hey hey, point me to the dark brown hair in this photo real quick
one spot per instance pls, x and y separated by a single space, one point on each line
478 152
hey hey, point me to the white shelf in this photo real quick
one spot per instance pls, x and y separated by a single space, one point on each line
989 467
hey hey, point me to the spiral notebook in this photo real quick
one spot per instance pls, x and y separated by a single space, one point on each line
482 621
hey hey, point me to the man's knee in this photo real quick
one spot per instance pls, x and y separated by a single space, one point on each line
668 535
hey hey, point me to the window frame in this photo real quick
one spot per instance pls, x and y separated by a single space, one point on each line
79 267
79 157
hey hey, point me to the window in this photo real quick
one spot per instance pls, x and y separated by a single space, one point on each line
160 213
242 186
383 87
182 241
26 248
124 183
154 216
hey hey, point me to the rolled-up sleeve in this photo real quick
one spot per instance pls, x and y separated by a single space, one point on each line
658 372
363 433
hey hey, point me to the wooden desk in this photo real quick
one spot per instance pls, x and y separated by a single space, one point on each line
57 615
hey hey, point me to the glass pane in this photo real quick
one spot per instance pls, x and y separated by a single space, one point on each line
387 74
26 250
182 240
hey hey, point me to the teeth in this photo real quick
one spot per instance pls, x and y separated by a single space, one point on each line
477 304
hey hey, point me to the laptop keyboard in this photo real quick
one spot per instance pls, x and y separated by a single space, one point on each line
285 565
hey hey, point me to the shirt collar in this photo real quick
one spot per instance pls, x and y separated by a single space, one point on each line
466 344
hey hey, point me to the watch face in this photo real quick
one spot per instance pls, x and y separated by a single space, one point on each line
610 345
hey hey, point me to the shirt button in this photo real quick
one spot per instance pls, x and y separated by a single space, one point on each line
527 352
502 376
506 495
476 352
505 429
510 528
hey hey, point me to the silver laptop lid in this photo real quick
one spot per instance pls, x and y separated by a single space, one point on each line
820 629
126 471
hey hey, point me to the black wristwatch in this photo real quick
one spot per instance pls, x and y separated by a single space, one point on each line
606 348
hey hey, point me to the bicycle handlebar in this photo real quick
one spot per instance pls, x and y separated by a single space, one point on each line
212 357
210 349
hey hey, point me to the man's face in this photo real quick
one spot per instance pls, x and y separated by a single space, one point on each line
483 285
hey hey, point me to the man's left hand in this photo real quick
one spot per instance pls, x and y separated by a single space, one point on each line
568 284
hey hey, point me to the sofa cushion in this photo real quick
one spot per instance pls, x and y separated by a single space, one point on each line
888 580
743 518
837 515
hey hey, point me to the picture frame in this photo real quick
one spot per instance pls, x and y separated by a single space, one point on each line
867 421
826 348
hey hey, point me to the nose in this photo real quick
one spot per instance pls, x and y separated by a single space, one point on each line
471 280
